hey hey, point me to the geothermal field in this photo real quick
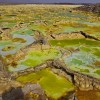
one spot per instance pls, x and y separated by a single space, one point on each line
49 52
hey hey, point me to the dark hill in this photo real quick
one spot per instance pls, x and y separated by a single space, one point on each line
95 8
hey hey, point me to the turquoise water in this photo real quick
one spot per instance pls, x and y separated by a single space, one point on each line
83 62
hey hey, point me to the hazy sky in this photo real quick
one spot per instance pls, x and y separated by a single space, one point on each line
51 1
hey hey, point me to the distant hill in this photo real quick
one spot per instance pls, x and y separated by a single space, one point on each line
95 8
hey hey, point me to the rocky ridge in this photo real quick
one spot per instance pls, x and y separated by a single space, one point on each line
94 8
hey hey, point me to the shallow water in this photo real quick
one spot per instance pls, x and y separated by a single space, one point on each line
88 95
